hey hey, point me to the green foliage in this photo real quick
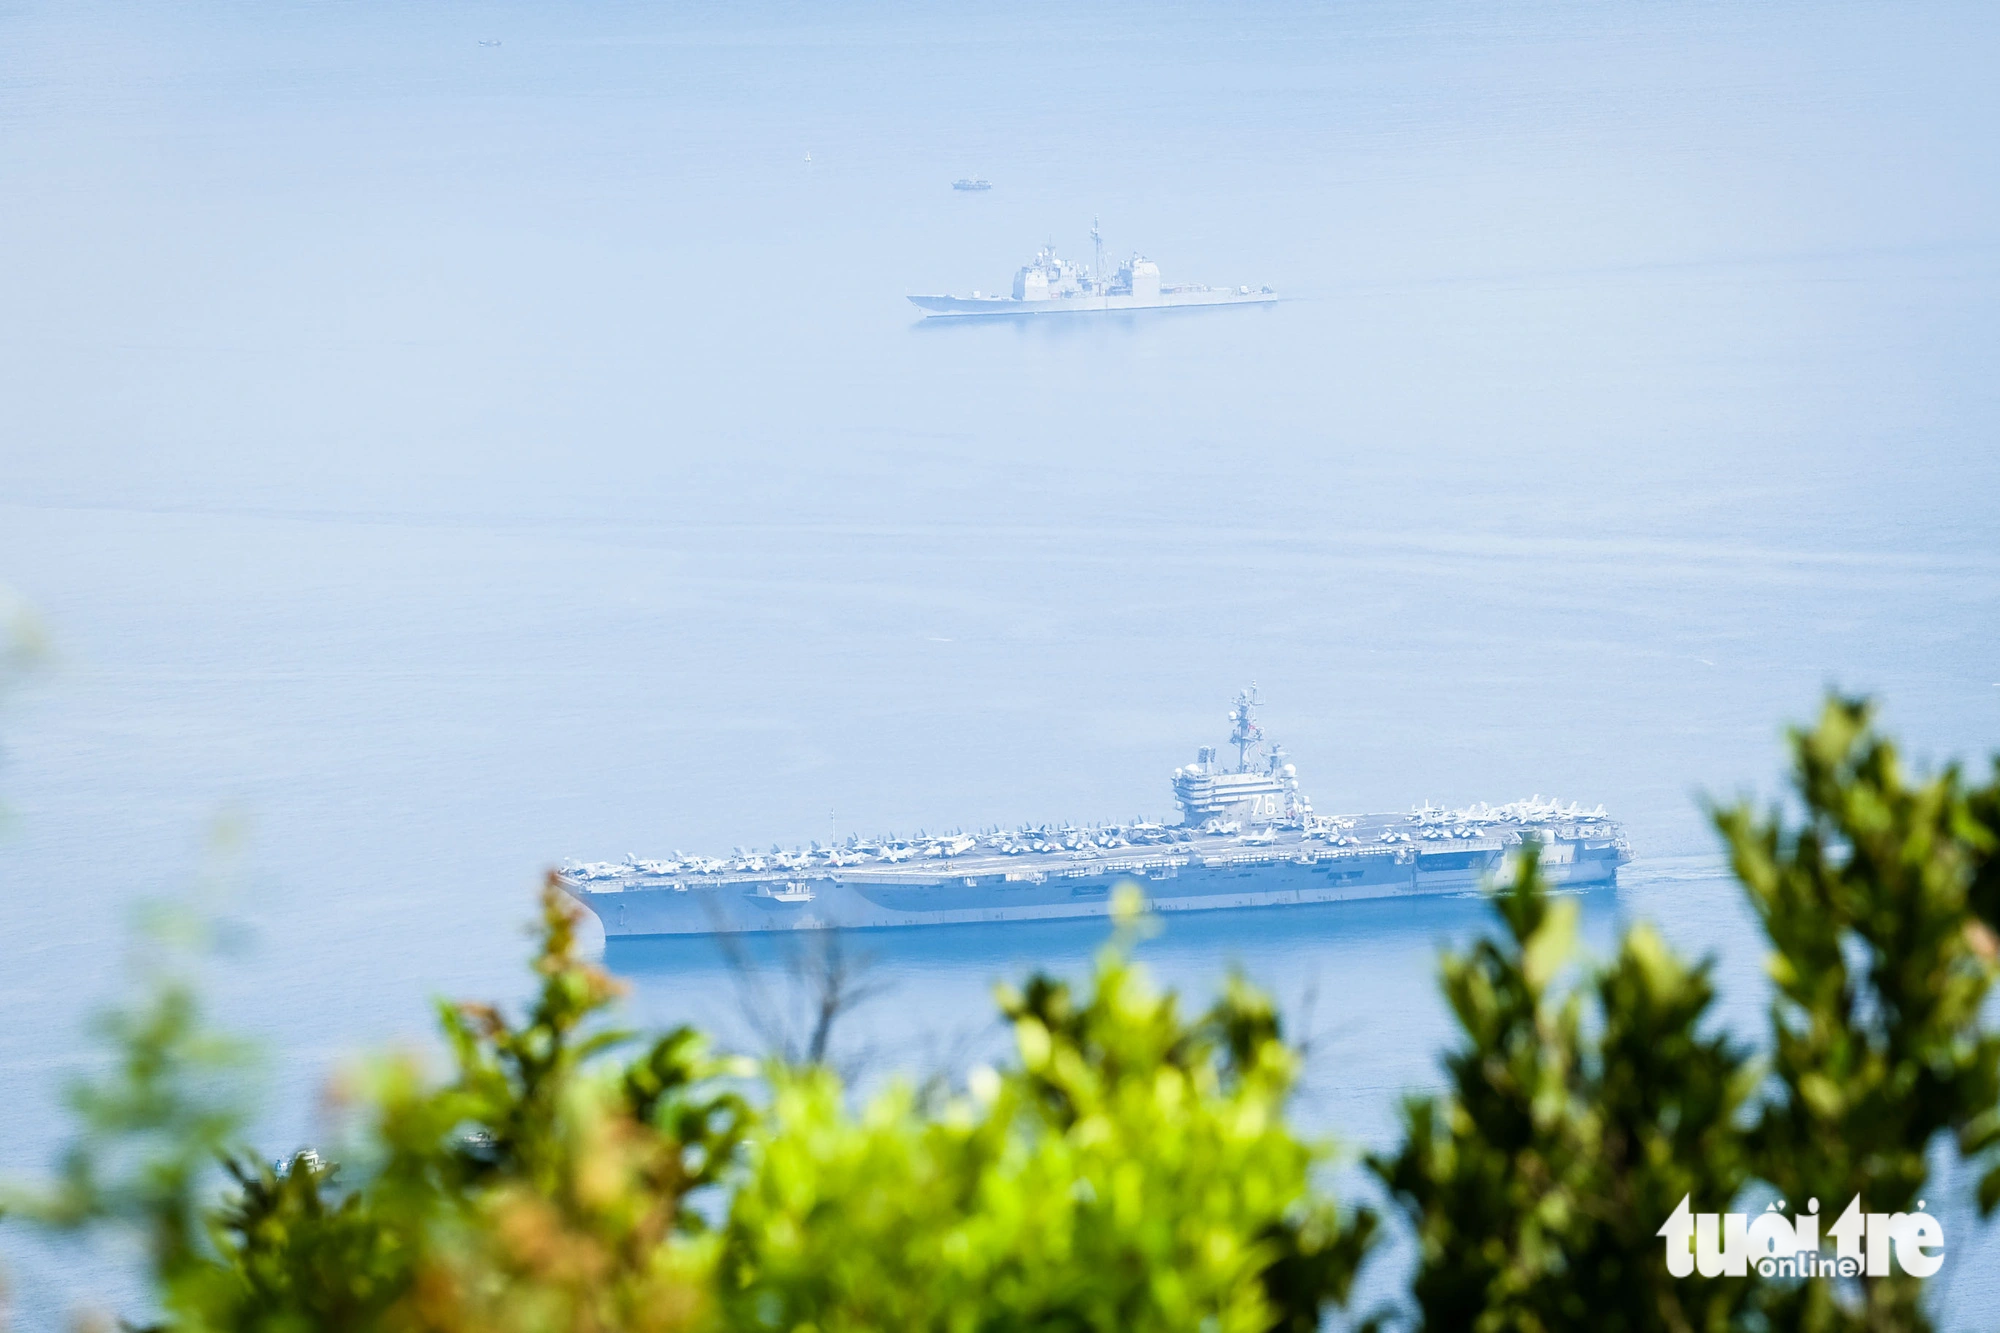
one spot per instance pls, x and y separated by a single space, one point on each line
524 1192
23 646
151 1130
1536 1184
531 1192
1131 1168
23 649
1881 968
1579 1115
1134 1171
293 1252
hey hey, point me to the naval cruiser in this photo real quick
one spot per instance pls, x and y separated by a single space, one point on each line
1050 284
1247 837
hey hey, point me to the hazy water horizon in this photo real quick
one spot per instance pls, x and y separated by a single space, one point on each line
446 459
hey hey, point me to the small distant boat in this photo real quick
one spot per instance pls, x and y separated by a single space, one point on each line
484 42
972 183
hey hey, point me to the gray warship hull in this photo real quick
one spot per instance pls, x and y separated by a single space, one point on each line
989 306
1051 285
1344 860
1248 837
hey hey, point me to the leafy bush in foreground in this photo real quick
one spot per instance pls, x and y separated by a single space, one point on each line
1134 1170
1577 1117
1130 1168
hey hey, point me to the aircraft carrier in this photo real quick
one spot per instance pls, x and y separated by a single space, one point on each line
1247 837
1052 285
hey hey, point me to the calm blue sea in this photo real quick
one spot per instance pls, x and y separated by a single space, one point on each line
431 460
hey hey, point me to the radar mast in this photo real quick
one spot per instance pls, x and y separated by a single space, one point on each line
1246 732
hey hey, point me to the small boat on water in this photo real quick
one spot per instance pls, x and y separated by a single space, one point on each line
972 183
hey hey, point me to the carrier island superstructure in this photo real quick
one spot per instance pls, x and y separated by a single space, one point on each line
1246 837
1052 285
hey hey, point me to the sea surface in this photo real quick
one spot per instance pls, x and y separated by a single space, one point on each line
430 460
